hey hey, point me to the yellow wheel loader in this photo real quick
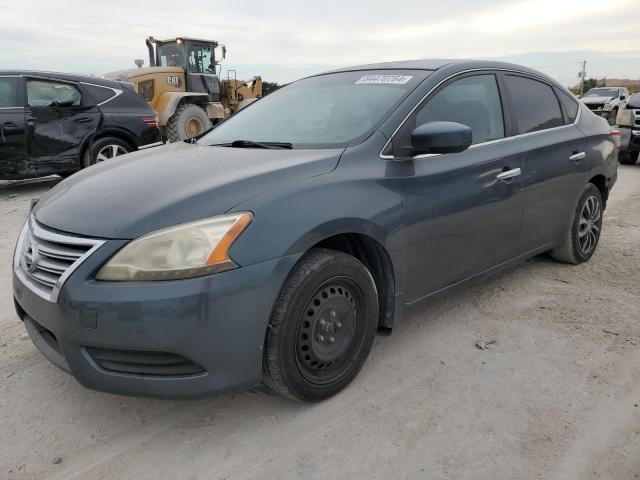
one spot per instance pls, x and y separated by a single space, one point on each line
183 86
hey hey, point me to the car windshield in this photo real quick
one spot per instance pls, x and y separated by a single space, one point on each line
602 92
327 111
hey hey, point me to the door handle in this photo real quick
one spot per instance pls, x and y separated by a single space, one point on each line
509 174
576 157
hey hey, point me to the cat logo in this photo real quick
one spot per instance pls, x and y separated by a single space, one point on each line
174 81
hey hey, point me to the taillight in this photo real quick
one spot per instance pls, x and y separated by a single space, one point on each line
151 122
617 137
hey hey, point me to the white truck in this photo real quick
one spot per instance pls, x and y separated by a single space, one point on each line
606 101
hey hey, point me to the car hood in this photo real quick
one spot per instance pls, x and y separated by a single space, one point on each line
592 100
156 188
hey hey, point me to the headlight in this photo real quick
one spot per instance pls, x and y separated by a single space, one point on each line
607 106
184 251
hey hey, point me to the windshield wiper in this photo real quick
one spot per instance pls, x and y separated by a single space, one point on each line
252 144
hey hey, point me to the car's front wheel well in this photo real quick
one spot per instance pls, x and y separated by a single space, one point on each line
374 256
601 184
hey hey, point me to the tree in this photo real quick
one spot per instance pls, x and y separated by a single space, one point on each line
268 87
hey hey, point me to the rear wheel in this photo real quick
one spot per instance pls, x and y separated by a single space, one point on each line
188 121
584 232
628 158
105 149
322 327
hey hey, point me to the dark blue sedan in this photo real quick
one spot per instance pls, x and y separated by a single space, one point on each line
275 247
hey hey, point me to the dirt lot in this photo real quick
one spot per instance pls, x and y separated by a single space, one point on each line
555 397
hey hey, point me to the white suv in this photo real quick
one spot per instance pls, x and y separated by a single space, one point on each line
606 101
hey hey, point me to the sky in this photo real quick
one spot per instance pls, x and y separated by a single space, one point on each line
283 40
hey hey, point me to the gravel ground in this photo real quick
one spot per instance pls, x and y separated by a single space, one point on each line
553 393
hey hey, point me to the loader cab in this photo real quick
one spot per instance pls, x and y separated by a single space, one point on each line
196 57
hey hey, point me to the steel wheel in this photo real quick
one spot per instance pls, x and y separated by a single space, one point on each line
326 331
589 225
109 151
322 326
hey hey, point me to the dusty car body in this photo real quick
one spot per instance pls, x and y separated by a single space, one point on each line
391 184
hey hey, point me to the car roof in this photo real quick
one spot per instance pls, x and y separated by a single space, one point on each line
456 65
69 77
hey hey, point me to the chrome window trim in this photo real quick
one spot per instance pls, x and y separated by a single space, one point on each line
117 92
490 142
49 235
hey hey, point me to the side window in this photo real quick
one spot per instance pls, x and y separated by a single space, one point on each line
44 93
99 94
9 92
569 105
535 106
473 101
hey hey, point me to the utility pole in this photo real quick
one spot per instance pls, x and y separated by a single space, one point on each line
583 75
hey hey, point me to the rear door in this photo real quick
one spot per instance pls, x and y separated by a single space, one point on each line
554 158
463 210
13 160
59 118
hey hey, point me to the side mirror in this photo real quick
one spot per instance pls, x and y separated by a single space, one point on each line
622 97
441 137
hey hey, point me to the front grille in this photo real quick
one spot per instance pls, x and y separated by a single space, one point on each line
45 259
160 364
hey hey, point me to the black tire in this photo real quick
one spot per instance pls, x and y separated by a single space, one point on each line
322 327
188 121
613 116
104 149
585 228
628 158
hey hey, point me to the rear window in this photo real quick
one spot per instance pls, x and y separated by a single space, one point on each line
535 106
9 92
569 105
99 94
44 93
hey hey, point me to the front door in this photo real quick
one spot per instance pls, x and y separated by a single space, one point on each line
463 210
13 160
58 120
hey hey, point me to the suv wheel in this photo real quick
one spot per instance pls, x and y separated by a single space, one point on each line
322 327
584 231
104 149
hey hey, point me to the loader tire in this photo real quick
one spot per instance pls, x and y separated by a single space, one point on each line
188 121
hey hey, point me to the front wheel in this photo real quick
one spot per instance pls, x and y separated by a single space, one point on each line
612 116
584 231
188 121
322 327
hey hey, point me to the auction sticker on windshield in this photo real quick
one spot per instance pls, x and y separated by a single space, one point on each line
386 79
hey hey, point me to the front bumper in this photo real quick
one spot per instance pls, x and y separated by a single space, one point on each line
215 324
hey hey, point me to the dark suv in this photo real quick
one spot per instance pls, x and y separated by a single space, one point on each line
53 123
